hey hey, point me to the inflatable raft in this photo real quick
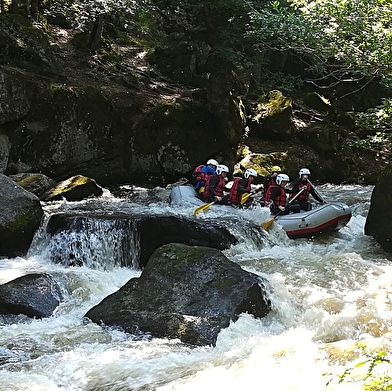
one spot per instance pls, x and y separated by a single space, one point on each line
321 219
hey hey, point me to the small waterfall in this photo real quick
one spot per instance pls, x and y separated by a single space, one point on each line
97 243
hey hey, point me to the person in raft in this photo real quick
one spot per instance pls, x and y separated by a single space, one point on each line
242 186
277 198
302 182
215 186
201 174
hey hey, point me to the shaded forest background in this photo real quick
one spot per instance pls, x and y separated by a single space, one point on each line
310 81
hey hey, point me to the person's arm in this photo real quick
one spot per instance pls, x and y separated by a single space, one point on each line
243 186
214 180
275 192
208 170
315 195
294 187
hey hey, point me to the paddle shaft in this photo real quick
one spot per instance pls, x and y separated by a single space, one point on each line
311 184
267 224
290 202
203 207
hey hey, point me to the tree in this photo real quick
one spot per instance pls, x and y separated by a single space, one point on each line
89 15
345 39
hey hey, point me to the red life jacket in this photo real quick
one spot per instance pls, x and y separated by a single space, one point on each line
218 188
304 196
280 200
235 196
268 183
196 172
200 176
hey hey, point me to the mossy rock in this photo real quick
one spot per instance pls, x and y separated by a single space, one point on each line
74 189
317 102
24 45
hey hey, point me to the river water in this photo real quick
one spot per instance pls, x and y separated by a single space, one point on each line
327 294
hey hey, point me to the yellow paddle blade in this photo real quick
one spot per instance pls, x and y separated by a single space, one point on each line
267 224
203 207
244 198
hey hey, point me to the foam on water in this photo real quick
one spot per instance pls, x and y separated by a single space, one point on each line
327 294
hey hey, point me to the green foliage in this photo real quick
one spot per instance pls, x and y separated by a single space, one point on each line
340 37
355 33
286 83
79 13
376 126
377 119
371 380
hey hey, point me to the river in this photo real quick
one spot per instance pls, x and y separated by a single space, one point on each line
327 295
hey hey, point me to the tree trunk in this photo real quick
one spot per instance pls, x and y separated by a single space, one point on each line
96 34
14 6
35 8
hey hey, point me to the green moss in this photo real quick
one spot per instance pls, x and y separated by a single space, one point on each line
277 103
27 180
24 44
21 221
70 185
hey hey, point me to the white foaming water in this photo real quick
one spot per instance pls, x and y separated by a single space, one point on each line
327 294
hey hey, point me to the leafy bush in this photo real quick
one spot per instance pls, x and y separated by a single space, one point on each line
373 363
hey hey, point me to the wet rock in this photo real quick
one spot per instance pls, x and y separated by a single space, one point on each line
379 219
128 240
184 292
75 188
34 295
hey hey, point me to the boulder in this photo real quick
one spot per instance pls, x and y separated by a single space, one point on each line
317 102
379 219
127 240
34 295
5 147
20 216
75 188
272 120
184 292
35 183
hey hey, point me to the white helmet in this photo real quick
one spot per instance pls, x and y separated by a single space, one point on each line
249 172
304 171
282 177
222 168
213 162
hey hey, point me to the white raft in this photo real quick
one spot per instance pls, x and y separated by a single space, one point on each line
321 219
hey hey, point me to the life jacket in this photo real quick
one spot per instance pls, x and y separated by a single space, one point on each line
235 195
304 196
280 200
218 188
268 183
202 173
197 174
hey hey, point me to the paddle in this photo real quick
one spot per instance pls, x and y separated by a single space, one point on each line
203 207
244 198
268 224
321 198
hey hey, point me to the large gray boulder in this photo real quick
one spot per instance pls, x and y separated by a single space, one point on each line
20 217
190 293
379 219
34 295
